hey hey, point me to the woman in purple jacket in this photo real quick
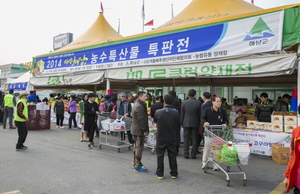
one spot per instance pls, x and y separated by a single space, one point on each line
72 111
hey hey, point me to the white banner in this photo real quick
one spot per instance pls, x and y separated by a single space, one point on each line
253 66
251 35
261 140
90 78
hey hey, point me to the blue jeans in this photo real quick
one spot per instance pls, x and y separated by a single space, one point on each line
8 113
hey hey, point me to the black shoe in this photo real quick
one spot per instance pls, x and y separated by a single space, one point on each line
24 147
194 157
186 157
97 136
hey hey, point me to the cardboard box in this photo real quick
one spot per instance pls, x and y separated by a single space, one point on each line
277 117
280 155
277 127
289 128
251 124
290 118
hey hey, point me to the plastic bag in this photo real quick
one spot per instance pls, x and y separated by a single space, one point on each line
229 154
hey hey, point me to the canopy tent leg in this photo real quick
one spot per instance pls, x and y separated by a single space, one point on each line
298 80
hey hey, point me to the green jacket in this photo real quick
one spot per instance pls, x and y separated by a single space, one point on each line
21 111
9 100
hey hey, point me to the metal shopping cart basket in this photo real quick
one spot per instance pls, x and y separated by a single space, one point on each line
220 151
105 126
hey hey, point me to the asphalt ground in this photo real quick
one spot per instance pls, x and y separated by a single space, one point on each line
57 162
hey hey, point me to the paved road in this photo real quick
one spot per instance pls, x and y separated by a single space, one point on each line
56 162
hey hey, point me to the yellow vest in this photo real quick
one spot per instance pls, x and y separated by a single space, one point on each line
25 111
8 100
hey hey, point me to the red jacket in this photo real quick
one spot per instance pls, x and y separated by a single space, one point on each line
291 170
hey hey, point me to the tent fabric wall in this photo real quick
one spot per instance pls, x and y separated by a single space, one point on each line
291 27
99 32
259 65
86 78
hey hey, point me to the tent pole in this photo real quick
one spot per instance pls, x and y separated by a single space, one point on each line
298 81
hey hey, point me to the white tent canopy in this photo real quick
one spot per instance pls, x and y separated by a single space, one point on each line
21 83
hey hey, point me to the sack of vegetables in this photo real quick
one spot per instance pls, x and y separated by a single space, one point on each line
229 154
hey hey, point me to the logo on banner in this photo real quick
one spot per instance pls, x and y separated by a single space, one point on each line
259 30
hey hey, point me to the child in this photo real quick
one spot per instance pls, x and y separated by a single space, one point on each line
292 173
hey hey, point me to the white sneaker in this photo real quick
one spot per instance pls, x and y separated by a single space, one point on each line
62 127
57 126
215 168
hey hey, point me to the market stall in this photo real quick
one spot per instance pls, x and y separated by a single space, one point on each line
21 83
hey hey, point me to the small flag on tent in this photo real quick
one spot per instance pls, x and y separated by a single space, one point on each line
150 23
252 1
294 98
101 8
143 10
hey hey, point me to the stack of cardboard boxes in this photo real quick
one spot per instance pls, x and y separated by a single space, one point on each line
290 121
280 122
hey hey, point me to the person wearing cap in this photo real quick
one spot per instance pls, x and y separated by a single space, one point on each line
9 104
265 108
240 121
284 104
21 116
123 109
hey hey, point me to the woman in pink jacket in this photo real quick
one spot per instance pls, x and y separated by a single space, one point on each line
292 173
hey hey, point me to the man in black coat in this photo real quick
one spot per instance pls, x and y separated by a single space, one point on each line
91 111
157 105
167 120
177 105
265 108
190 119
207 103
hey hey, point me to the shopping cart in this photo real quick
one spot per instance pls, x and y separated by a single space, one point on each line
151 137
106 128
218 150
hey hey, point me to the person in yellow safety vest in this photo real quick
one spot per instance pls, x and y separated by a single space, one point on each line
9 104
149 100
21 116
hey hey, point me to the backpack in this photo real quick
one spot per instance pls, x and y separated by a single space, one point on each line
112 114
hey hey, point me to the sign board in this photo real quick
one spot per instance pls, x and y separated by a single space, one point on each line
261 140
256 34
62 40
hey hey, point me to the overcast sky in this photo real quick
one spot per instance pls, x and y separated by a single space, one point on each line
28 26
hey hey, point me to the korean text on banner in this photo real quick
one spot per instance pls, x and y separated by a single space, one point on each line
245 36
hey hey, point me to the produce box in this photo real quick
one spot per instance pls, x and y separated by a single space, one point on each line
289 128
280 155
290 118
277 117
251 121
251 124
277 127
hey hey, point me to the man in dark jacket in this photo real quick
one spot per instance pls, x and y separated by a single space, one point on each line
139 130
207 103
265 108
91 109
167 120
157 105
190 119
214 115
284 104
177 105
